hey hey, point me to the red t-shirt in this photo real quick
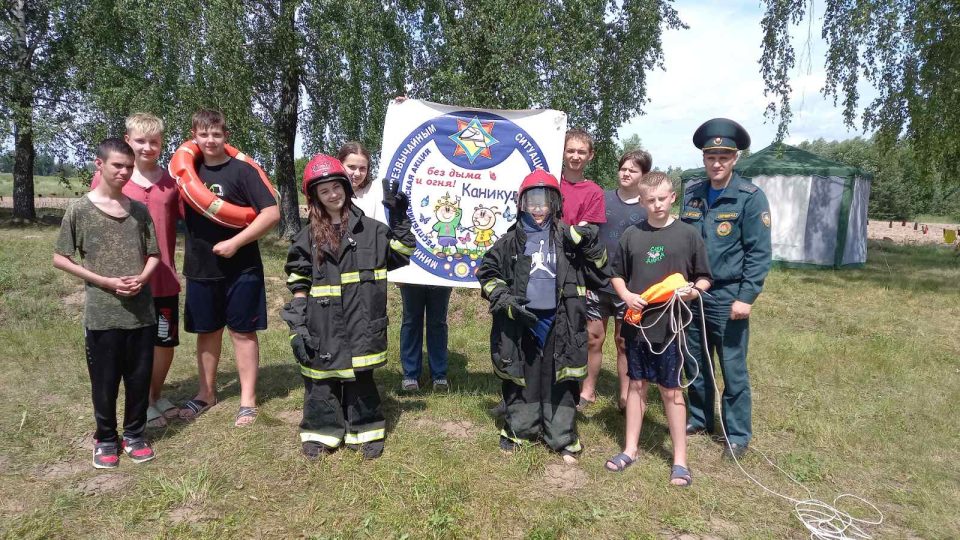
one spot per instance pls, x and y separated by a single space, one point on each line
163 202
582 201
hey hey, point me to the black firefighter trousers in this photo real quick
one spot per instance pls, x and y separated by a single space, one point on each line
337 411
543 408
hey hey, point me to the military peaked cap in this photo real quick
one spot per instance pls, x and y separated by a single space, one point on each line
721 134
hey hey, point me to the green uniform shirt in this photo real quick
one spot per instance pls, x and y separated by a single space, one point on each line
736 230
110 247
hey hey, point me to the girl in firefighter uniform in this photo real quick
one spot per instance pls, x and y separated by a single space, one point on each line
337 271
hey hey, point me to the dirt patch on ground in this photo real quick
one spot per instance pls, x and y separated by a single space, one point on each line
61 470
74 300
457 429
724 528
104 483
904 233
563 477
189 514
290 417
40 202
12 507
49 399
84 442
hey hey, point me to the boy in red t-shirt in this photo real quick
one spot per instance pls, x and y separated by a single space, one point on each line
583 201
153 186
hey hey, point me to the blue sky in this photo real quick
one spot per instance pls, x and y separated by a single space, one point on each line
697 85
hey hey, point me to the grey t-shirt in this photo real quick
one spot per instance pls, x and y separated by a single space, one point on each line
110 247
620 215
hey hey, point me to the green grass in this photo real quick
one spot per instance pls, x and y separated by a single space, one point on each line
47 186
855 377
927 218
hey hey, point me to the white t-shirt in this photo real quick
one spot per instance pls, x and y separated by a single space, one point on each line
370 200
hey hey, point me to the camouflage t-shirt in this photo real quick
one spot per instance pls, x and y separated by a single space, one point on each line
110 247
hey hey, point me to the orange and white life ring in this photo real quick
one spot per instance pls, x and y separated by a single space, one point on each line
183 167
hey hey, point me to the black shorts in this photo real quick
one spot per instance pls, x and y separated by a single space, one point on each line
168 320
645 365
237 302
602 304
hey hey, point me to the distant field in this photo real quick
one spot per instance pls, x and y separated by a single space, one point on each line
45 186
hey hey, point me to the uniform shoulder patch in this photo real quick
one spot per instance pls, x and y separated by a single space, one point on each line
765 218
747 187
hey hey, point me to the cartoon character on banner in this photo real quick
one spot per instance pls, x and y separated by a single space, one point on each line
484 218
448 214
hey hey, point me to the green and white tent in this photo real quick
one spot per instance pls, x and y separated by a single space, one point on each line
818 207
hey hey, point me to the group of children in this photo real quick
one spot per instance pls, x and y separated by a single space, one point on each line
575 257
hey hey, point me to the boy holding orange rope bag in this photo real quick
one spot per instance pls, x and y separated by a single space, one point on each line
649 252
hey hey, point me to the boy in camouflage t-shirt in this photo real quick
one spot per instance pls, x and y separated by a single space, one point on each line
118 251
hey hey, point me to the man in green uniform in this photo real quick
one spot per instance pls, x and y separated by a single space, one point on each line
734 218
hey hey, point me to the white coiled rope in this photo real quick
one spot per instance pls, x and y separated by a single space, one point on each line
824 521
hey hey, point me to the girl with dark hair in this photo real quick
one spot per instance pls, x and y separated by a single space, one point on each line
337 271
367 195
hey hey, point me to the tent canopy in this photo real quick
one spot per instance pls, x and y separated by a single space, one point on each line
818 207
785 160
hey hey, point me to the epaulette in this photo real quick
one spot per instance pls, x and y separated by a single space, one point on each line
693 186
747 187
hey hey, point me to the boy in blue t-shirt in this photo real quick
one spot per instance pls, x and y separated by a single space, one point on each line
649 252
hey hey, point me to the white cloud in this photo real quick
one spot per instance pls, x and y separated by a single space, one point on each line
713 70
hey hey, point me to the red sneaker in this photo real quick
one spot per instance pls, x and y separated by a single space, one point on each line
138 450
105 455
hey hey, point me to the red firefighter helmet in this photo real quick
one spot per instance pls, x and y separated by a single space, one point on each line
324 168
543 187
539 178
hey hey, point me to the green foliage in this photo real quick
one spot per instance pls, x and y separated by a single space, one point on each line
588 58
901 189
908 50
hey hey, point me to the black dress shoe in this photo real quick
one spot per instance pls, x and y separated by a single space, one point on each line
695 430
735 450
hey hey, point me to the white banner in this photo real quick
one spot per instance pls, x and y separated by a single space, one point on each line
461 169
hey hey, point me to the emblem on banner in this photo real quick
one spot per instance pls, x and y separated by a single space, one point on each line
449 168
473 139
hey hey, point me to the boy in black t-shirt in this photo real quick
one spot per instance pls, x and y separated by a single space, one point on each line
649 252
225 285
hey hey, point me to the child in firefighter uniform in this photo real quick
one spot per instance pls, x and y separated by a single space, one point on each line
535 278
337 271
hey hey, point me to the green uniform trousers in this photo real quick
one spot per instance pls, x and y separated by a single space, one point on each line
543 408
727 339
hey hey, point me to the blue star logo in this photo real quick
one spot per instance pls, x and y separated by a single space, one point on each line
474 138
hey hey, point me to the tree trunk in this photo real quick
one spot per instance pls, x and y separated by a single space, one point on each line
285 127
23 207
22 86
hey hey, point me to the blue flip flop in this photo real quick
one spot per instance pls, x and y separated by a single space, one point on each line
679 472
620 463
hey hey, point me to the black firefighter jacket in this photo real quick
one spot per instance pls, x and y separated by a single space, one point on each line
341 326
505 270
